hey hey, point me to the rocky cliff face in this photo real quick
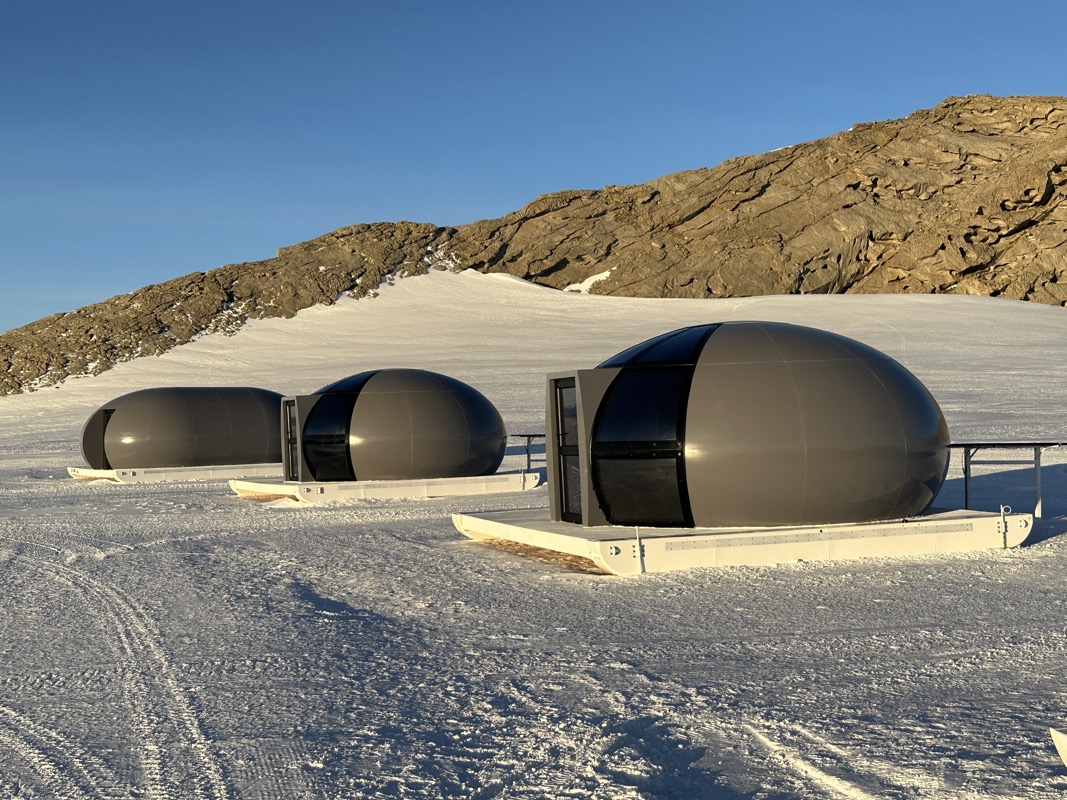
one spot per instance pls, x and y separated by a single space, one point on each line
965 198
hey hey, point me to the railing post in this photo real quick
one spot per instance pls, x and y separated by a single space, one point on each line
967 477
1037 482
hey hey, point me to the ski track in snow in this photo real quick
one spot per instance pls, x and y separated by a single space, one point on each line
164 717
170 641
64 768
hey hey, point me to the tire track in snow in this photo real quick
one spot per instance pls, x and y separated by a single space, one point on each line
271 769
795 761
163 710
901 780
47 768
898 776
55 550
66 769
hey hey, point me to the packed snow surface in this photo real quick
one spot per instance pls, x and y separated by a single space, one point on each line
174 641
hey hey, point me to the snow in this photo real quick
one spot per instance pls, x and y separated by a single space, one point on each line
588 283
171 640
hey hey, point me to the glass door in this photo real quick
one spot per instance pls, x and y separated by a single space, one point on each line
567 446
292 451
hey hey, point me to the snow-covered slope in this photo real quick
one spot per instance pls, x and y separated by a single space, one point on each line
172 641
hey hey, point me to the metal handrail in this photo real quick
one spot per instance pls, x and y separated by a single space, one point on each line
529 437
971 448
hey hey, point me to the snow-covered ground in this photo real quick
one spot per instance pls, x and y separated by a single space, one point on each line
173 641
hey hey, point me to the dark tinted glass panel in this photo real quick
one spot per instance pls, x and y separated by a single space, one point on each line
674 347
682 348
325 439
572 487
630 353
567 407
643 405
640 491
353 383
291 451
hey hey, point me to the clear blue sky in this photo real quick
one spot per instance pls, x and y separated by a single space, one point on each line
141 140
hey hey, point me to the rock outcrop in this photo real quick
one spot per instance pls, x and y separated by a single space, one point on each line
351 261
965 198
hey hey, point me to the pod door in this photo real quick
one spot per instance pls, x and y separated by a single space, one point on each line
291 440
570 484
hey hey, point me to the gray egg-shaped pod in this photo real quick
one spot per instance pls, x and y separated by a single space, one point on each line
395 424
184 427
744 424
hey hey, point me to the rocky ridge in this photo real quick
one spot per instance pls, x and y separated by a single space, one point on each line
965 198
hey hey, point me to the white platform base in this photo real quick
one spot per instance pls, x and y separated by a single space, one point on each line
632 551
350 491
1059 739
154 474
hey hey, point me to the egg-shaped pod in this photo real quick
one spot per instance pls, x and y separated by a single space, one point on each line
397 424
747 424
184 427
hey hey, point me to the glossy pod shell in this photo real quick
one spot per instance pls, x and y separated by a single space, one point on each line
400 424
184 427
760 424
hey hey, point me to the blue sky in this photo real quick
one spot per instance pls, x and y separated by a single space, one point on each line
140 141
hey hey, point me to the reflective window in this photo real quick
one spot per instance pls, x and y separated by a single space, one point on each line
638 470
624 358
569 465
325 439
567 405
572 487
292 467
640 491
353 383
681 346
643 405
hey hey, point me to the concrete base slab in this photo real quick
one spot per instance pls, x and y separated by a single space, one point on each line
157 474
1059 739
633 551
350 491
